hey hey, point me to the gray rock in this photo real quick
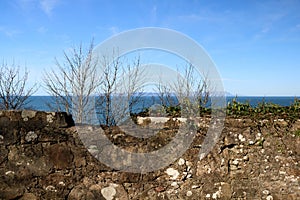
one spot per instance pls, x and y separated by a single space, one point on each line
30 136
28 114
108 192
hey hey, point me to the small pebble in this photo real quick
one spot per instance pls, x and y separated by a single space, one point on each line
241 138
235 162
174 184
189 193
181 161
269 197
266 192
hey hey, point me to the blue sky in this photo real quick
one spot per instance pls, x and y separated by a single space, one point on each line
254 44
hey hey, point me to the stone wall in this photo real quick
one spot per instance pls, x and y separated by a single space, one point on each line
41 157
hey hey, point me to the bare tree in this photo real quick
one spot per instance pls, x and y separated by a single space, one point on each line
14 93
192 90
189 91
73 84
166 96
120 90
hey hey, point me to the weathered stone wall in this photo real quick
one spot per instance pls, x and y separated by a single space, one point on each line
41 157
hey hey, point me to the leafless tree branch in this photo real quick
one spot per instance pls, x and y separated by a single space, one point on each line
191 91
121 89
13 91
73 84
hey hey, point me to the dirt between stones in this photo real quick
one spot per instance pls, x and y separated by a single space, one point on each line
42 157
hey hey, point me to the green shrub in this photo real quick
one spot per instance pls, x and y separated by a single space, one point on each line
263 109
235 108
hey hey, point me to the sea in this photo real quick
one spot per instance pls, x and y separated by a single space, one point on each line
41 102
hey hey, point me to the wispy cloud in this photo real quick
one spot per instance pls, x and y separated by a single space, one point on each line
65 38
296 27
273 16
153 14
48 5
114 30
268 26
230 80
9 32
200 17
26 5
42 30
234 80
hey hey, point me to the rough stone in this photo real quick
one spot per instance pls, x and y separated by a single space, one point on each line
226 192
61 156
173 173
79 192
108 192
43 158
29 196
30 136
28 114
189 193
181 161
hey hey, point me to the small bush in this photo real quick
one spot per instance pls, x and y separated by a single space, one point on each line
263 110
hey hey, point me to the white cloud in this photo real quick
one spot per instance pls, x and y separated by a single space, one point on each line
65 38
26 5
114 30
48 5
200 17
234 80
9 32
153 14
298 26
42 30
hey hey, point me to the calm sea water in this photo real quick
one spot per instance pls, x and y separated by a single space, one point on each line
40 102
